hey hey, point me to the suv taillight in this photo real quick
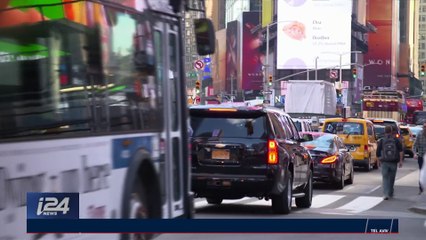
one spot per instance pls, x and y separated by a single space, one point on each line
272 152
366 148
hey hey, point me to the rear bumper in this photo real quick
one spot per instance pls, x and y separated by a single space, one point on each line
325 173
233 186
361 155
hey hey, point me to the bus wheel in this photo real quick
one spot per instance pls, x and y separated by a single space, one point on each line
139 210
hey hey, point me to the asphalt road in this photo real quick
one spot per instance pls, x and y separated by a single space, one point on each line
363 199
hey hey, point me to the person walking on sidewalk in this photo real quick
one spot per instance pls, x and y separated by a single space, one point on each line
419 148
390 155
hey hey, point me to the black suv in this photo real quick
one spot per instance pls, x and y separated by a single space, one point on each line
249 152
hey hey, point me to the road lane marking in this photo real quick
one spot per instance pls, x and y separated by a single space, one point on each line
361 204
410 179
374 189
319 201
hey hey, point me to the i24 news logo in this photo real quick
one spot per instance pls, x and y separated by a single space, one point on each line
50 206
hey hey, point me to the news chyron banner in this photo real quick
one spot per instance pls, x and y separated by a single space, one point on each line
59 213
52 205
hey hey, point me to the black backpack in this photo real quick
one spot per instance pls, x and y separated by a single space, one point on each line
390 150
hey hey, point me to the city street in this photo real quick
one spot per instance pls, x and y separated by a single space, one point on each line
363 199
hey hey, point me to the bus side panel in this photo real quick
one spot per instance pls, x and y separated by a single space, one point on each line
71 165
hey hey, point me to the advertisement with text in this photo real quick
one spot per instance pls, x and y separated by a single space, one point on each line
308 29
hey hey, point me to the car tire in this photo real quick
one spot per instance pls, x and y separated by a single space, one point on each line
216 201
368 165
340 183
306 201
410 154
351 176
281 204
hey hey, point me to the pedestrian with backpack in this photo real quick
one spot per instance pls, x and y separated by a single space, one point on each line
390 155
419 147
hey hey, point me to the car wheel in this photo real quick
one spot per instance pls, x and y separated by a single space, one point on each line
306 201
216 201
368 165
351 176
340 184
281 204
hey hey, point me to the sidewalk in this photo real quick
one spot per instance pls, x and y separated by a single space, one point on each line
420 205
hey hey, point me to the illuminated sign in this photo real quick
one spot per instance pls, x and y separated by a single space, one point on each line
307 29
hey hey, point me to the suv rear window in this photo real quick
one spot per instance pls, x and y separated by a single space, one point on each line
344 128
231 125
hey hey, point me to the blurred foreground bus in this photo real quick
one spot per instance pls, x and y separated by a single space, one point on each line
93 101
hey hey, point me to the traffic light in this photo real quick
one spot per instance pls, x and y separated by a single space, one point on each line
422 69
270 80
197 86
354 72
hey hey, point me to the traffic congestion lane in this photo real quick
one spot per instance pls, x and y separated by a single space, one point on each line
350 202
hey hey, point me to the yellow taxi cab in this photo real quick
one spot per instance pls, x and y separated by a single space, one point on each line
408 140
358 135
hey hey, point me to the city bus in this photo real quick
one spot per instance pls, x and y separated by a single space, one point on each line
93 101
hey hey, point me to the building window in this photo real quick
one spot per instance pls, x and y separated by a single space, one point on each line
422 55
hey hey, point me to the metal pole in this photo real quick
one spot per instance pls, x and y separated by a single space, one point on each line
200 75
265 83
316 68
232 88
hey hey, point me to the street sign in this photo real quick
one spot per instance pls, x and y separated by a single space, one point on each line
198 64
207 69
333 74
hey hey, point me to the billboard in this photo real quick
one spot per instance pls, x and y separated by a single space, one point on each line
252 56
232 45
308 29
379 54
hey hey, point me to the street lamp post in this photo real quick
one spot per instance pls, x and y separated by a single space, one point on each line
266 66
316 68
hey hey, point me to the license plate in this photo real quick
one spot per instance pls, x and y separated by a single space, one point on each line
220 154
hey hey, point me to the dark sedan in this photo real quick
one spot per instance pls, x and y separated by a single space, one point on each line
332 160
